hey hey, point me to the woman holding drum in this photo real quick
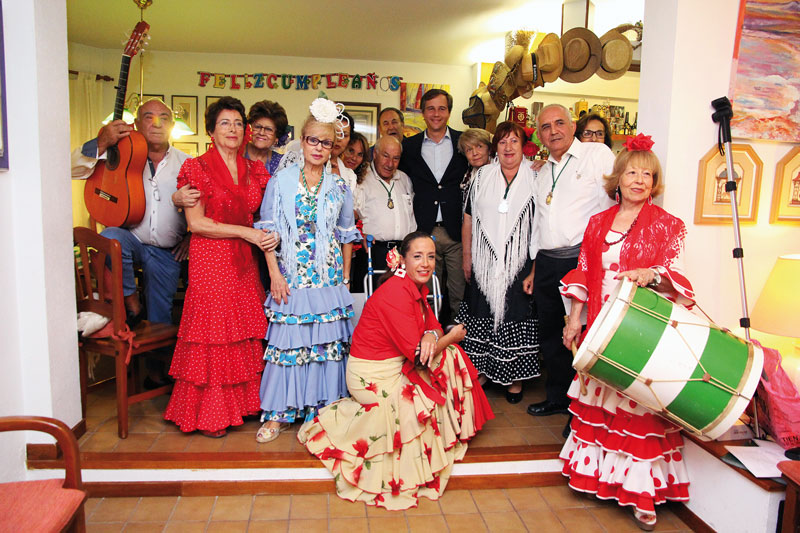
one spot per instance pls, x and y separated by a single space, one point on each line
618 449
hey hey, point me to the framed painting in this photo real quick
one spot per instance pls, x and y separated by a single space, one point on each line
187 148
410 100
185 108
365 115
146 97
713 204
786 191
765 76
211 99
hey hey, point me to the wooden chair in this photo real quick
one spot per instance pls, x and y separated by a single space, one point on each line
50 504
90 286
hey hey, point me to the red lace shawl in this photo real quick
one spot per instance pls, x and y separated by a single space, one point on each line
656 241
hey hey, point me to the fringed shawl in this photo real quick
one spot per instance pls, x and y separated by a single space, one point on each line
500 241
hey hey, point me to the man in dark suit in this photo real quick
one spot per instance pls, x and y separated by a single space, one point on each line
432 161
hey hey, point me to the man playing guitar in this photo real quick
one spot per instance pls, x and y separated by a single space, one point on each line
159 242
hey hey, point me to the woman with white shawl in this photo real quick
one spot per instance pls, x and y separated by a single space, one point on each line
502 331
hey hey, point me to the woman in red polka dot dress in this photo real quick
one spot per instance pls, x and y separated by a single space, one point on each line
217 363
618 449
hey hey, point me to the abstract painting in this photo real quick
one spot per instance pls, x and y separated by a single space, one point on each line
765 78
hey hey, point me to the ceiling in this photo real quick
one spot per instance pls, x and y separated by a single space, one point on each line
451 32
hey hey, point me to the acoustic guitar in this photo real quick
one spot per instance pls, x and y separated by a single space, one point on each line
114 193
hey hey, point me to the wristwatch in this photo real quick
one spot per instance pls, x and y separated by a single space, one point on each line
345 281
656 278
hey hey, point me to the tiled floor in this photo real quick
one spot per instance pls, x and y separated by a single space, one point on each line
512 426
545 509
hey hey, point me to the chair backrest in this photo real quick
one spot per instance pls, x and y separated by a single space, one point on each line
96 290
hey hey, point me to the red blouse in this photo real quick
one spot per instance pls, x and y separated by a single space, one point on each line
392 322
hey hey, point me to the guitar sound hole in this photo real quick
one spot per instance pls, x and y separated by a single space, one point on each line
112 157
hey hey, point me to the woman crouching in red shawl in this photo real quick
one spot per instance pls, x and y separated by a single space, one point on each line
416 400
618 449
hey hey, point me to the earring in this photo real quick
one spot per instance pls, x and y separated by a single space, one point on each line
618 195
401 271
650 200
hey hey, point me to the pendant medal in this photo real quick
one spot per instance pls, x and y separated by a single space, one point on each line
390 204
503 207
549 198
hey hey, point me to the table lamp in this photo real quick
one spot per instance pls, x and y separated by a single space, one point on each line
777 312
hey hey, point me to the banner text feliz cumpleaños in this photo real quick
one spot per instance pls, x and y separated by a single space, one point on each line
299 82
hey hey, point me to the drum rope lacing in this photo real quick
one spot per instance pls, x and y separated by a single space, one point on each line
707 377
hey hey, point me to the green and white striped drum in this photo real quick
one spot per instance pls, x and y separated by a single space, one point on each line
670 360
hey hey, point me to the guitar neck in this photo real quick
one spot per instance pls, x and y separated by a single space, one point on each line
119 103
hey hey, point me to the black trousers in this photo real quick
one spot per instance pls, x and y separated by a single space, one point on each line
556 357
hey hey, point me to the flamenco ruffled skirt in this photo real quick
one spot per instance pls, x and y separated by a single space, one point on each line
619 450
390 444
307 348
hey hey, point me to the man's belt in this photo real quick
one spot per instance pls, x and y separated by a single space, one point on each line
388 244
569 252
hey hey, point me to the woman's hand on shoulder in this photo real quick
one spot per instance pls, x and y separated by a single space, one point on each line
279 289
537 164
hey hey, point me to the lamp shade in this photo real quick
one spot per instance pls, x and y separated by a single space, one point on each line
777 310
181 129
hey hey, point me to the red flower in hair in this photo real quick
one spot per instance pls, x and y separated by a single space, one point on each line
529 148
640 143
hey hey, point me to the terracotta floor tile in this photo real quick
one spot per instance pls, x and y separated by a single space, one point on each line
499 421
232 508
250 425
491 500
268 526
230 526
170 442
185 527
615 518
473 523
114 510
388 524
482 440
201 443
240 441
668 521
457 502
156 406
557 421
144 527
542 520
426 523
508 437
271 507
317 525
90 505
499 405
192 508
526 498
538 435
286 442
503 522
348 525
136 442
579 520
306 506
156 509
375 511
557 434
148 424
520 419
424 507
561 496
339 508
104 527
101 442
94 422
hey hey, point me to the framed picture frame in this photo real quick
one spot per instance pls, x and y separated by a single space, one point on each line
365 116
185 108
146 97
208 146
786 190
210 100
713 204
187 148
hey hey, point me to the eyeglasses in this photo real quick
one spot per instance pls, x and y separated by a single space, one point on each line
313 141
227 124
588 134
266 130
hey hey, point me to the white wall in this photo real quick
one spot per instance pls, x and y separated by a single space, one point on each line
175 73
686 63
37 310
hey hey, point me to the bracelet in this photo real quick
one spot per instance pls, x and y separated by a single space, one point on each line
432 332
656 278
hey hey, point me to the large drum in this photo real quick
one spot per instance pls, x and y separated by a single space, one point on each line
678 364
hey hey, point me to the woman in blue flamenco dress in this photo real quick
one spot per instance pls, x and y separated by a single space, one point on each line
309 306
